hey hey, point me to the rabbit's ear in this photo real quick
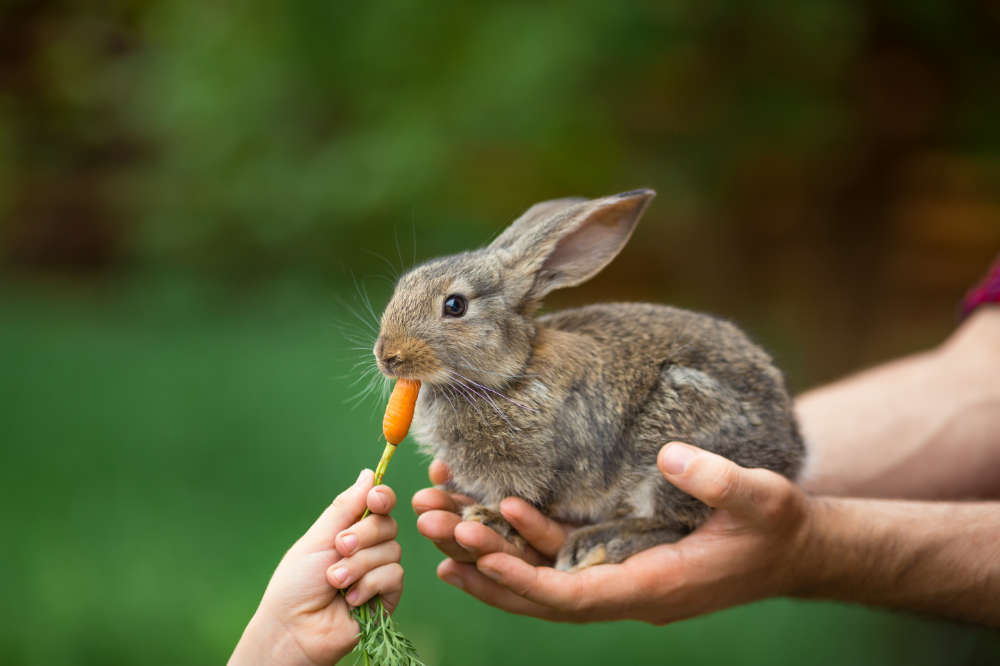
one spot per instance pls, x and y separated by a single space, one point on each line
568 241
541 212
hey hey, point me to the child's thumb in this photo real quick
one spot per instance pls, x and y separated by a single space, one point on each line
345 510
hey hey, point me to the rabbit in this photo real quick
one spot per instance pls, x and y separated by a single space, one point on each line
568 410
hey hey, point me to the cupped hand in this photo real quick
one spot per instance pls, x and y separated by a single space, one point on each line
746 551
440 520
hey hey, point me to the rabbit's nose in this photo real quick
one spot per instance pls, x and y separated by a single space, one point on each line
392 360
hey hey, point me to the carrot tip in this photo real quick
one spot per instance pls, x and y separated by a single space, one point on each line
399 410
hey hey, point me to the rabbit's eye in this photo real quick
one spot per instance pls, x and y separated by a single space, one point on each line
455 305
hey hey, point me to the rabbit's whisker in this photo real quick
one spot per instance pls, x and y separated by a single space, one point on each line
443 390
362 316
363 365
370 385
413 235
394 272
386 387
495 392
462 392
484 396
399 252
365 378
351 333
520 375
367 302
358 339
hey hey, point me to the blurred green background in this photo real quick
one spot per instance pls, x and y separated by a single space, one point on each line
197 198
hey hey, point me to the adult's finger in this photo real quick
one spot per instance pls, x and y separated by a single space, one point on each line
342 513
434 499
541 532
721 483
468 579
564 592
438 472
439 527
479 540
603 592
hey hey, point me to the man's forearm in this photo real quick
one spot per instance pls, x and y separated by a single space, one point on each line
923 427
939 558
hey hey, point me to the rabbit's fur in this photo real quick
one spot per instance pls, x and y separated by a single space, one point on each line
569 410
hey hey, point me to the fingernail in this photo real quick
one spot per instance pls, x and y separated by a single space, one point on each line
382 495
350 542
489 573
676 458
339 575
454 580
352 597
469 549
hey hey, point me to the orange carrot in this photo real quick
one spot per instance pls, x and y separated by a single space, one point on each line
379 635
399 411
396 422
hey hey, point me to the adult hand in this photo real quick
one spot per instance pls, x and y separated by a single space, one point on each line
746 551
440 520
303 618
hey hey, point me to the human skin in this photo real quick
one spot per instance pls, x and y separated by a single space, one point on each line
925 426
302 617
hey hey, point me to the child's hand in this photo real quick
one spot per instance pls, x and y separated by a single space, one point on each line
303 618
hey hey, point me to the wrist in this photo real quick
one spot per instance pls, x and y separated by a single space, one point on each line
263 641
267 640
814 557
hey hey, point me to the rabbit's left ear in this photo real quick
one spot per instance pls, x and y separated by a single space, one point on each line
571 244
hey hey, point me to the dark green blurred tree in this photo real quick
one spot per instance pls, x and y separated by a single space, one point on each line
841 150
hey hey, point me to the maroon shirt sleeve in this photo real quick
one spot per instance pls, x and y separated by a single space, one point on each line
987 291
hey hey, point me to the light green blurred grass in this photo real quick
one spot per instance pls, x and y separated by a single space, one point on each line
160 451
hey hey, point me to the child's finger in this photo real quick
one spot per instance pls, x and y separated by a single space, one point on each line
371 531
386 580
381 500
348 570
341 514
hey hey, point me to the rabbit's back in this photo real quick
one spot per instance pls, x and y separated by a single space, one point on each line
662 374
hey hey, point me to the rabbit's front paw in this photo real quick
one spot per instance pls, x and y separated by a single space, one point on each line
492 519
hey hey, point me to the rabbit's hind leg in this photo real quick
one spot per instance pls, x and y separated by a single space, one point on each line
615 541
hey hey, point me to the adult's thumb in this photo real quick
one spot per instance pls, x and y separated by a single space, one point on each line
719 482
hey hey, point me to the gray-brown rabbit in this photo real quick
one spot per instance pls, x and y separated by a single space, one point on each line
569 410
